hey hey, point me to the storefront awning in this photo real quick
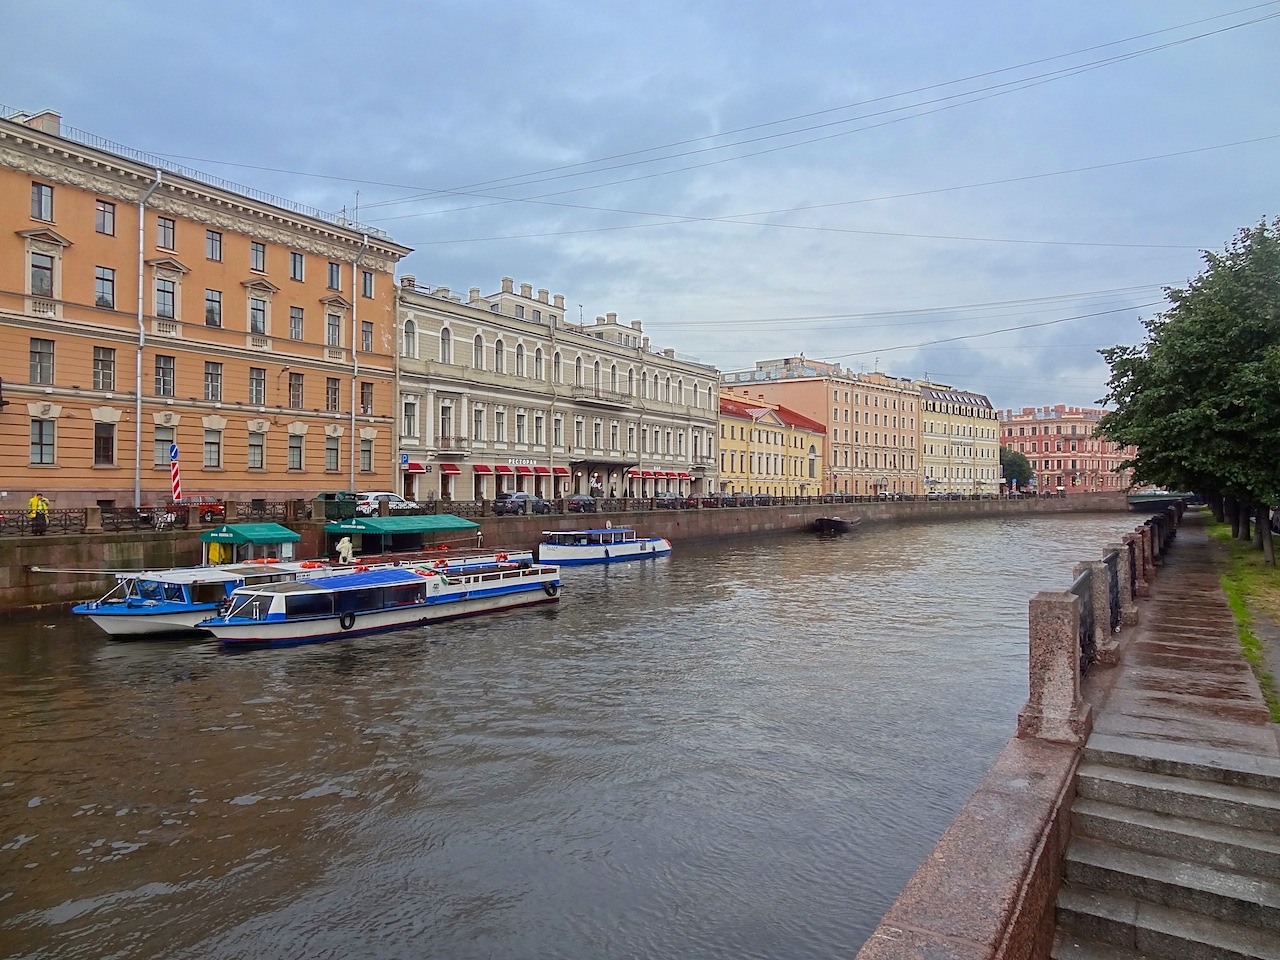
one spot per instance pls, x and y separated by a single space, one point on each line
503 468
542 471
482 468
414 467
440 523
524 470
450 469
560 471
682 476
262 533
647 473
670 473
635 473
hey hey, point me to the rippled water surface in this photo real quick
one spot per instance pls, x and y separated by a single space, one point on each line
742 750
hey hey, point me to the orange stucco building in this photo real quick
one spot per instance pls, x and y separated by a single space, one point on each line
263 341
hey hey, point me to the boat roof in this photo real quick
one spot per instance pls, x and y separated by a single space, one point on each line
549 533
259 533
218 574
364 578
431 523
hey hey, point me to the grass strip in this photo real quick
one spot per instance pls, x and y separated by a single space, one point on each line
1249 585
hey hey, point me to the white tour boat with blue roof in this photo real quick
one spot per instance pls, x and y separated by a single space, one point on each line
375 601
604 545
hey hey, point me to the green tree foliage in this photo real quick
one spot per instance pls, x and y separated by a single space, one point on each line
1015 466
1200 398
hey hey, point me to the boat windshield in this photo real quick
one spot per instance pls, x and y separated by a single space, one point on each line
250 606
158 590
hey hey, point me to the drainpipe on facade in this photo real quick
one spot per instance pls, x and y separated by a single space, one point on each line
355 356
142 340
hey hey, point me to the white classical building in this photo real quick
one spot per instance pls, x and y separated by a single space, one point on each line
502 393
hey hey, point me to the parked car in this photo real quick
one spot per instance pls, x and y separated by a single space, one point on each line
370 504
209 509
666 500
580 503
521 501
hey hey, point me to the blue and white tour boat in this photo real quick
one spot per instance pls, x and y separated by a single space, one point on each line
604 545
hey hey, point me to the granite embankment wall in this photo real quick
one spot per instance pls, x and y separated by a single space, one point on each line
23 585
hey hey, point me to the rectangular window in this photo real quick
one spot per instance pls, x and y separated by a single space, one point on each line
366 455
295 452
477 423
212 245
104 287
335 276
213 308
557 432
104 218
296 395
166 233
257 315
295 323
332 393
257 451
164 298
257 256
366 283
297 265
104 444
164 376
409 428
213 449
331 453
213 381
333 330
104 368
366 398
43 435
41 275
538 429
160 446
499 426
41 203
366 336
41 361
520 428
257 386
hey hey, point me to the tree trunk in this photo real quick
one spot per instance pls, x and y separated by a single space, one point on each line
1246 517
1232 511
1215 506
1268 545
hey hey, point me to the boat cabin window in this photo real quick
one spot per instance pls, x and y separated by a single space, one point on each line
308 605
251 606
208 592
155 590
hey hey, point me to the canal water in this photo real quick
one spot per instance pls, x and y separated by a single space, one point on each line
744 749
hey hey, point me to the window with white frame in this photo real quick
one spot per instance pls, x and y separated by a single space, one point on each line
557 431
409 342
213 381
499 426
44 435
597 435
104 368
161 441
613 435
446 346
41 275
295 451
366 398
366 336
212 245
555 368
335 276
477 352
295 323
538 424
165 298
579 433
519 360
520 427
104 218
166 233
257 256
213 449
257 315
257 459
409 427
164 375
333 330
104 444
332 395
446 420
366 454
538 372
477 423
297 265
331 453
499 357
258 386
213 308
297 392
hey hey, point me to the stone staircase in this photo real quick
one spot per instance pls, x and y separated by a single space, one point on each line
1175 852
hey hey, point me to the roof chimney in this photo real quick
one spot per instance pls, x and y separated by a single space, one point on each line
526 290
611 318
542 295
473 294
507 285
46 121
558 301
408 281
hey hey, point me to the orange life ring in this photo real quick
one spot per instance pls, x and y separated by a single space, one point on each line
311 564
271 560
443 546
442 563
361 567
501 557
256 560
425 573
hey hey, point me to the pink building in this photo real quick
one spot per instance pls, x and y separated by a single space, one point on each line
1065 450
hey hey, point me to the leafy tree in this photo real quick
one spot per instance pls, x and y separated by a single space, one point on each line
1200 398
1015 466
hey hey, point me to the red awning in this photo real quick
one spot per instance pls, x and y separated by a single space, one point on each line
672 474
524 470
451 469
481 468
414 467
647 473
542 471
635 473
560 471
503 468
682 476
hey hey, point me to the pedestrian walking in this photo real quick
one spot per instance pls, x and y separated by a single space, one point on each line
38 513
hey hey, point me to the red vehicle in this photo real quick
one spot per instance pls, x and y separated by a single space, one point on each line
209 509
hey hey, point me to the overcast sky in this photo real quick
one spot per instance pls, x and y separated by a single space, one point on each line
984 193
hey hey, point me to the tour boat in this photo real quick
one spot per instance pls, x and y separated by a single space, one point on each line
375 601
605 545
172 602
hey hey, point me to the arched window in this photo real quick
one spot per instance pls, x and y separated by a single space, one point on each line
577 372
477 353
631 382
537 364
680 391
446 346
613 377
499 357
667 384
409 347
653 393
557 374
519 359
595 376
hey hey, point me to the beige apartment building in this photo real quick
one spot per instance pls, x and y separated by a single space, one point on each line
1065 449
959 441
766 448
146 310
501 392
871 420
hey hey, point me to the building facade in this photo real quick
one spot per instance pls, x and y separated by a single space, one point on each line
959 441
766 448
1066 452
501 393
147 313
871 420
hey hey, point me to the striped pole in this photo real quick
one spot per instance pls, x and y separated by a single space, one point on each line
175 479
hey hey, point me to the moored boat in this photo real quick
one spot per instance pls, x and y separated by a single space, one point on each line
602 545
376 601
835 524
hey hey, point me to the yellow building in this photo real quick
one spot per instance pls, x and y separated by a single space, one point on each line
959 441
767 448
143 308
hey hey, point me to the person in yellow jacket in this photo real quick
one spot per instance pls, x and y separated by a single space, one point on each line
38 513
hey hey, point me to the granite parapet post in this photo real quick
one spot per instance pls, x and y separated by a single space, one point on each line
1055 711
1124 568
